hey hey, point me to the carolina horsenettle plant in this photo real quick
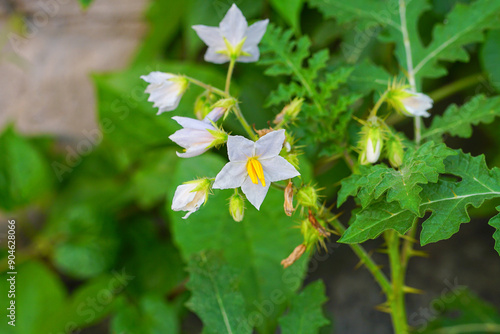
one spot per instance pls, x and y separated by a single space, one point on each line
327 112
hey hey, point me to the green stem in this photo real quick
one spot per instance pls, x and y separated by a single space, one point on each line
455 86
397 297
229 75
207 87
366 259
244 123
381 100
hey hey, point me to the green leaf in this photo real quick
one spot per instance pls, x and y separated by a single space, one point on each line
24 174
495 222
463 25
165 19
378 217
86 240
152 315
402 185
215 295
368 77
305 315
490 53
253 247
150 181
448 200
325 113
37 305
461 311
290 11
458 121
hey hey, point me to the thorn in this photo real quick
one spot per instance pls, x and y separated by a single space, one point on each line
408 289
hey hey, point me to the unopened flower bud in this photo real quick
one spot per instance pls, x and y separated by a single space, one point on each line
237 207
294 256
289 112
371 141
409 103
191 195
288 204
215 115
307 196
394 151
165 90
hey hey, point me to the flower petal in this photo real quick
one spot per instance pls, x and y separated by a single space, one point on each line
277 169
190 137
239 148
191 123
210 35
232 175
254 55
157 77
255 32
270 145
217 58
193 151
215 115
184 194
255 193
234 25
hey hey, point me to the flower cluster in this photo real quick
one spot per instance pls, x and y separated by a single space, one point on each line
253 165
374 132
268 155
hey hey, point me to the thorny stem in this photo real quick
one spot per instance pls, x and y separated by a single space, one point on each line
365 258
396 298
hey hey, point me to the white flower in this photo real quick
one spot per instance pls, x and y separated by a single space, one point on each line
165 90
416 104
196 137
190 196
233 38
254 165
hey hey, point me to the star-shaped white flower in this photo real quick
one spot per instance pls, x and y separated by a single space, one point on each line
197 136
165 90
233 38
416 104
254 165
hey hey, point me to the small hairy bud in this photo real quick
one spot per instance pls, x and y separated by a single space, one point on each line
237 207
203 104
307 196
289 112
371 141
394 151
288 204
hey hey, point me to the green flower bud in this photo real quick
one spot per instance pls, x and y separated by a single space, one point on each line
289 112
203 104
237 207
371 141
394 151
307 196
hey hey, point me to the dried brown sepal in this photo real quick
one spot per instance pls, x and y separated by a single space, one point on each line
294 256
317 225
288 204
263 132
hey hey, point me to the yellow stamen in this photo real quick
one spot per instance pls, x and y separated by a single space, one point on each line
255 171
